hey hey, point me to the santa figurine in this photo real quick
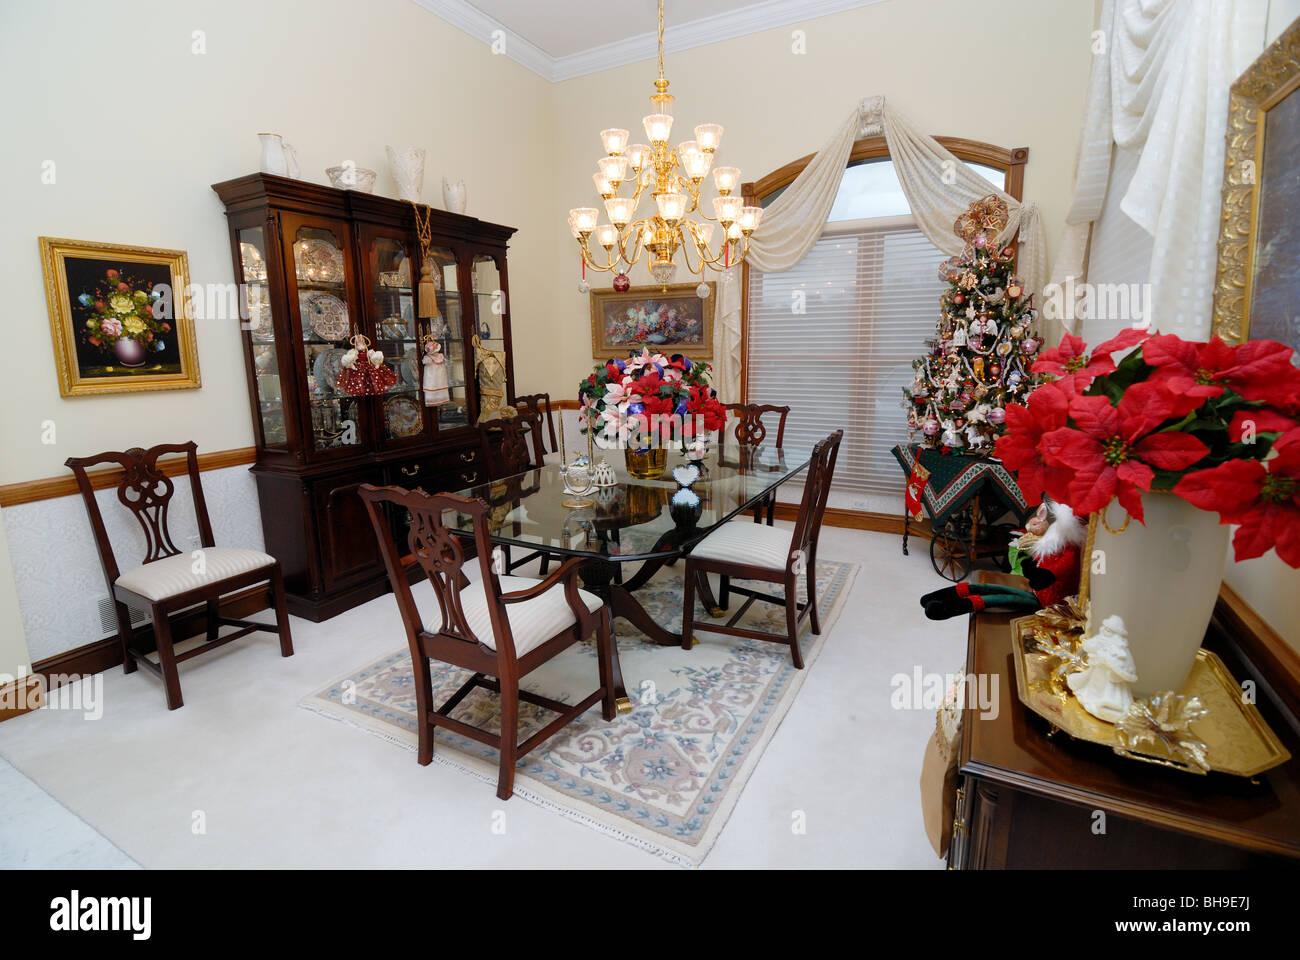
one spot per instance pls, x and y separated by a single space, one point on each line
1048 555
434 382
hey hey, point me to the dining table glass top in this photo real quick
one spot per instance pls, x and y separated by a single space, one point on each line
633 519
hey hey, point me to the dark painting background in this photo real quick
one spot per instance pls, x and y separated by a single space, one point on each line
85 275
1275 308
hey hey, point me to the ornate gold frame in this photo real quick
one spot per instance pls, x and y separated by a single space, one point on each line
602 351
1266 82
54 252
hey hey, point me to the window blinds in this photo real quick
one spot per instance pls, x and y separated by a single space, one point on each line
835 337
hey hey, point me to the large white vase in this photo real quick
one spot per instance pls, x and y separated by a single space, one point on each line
407 168
453 195
1162 580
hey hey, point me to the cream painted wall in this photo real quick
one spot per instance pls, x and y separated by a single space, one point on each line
138 127
929 57
1266 583
13 644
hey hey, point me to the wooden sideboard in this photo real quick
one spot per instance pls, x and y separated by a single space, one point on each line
1030 800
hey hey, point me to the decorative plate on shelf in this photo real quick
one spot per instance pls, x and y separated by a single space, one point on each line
318 261
327 367
402 416
326 315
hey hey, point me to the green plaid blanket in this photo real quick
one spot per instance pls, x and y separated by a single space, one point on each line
955 478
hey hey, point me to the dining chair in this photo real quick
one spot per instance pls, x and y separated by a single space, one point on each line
750 432
500 627
170 580
769 554
541 402
506 453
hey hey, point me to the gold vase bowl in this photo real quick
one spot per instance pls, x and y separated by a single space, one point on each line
646 464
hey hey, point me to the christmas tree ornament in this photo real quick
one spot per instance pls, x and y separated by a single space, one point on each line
583 285
702 291
364 373
622 284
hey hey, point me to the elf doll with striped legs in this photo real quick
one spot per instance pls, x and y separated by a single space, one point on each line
1048 555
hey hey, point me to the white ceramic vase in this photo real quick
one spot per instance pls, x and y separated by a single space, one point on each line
273 157
453 195
1162 580
291 161
407 168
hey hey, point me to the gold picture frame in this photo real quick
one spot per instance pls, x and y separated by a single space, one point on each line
613 336
159 352
1259 249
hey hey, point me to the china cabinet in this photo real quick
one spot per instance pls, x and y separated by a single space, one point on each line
316 266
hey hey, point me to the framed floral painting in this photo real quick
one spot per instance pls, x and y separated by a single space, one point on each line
118 317
672 320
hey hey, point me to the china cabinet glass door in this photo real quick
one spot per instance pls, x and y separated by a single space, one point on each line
261 338
320 288
449 329
390 282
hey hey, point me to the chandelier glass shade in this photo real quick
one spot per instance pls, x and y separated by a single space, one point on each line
675 219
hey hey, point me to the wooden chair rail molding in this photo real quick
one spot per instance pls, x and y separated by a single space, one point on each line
30 491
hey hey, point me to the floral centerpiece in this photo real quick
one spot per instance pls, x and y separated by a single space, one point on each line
122 318
650 401
1176 431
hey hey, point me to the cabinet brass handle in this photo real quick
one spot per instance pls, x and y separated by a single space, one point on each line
468 457
410 471
470 477
958 825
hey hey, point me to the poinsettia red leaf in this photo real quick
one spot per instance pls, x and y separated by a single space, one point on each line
1136 473
1095 416
1130 498
1125 339
1144 407
1168 350
1259 359
1254 537
1170 451
1257 421
1049 404
1228 489
1071 448
1286 537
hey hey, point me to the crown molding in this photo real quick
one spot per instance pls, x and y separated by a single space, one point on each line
683 36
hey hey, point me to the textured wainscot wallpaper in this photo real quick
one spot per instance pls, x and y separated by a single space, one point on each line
56 567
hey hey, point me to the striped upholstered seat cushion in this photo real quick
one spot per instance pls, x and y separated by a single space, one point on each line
532 622
743 541
174 575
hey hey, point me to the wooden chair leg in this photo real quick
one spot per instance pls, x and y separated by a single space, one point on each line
812 595
792 621
509 737
546 564
124 635
162 632
281 612
213 612
605 654
724 591
771 509
423 708
688 606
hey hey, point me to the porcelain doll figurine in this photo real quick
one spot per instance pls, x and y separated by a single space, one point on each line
436 390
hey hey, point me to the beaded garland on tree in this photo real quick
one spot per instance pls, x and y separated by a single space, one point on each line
980 360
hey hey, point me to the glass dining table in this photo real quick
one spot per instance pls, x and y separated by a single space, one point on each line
646 522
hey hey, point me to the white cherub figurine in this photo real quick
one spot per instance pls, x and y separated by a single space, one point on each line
1102 687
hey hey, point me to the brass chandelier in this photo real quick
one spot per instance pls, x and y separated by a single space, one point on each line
673 178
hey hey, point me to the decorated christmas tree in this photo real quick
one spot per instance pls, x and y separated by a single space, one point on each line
980 359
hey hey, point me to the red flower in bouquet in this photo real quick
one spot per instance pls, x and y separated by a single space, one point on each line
1259 370
1262 496
1112 450
1019 449
1254 421
1071 358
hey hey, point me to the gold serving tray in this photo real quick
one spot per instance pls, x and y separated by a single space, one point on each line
1237 739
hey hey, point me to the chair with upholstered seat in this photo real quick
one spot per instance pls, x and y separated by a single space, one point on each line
540 403
773 554
749 432
170 580
499 627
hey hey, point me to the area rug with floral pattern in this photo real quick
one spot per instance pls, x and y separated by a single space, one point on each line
664 777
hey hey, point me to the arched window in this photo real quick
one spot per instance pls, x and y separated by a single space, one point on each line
835 337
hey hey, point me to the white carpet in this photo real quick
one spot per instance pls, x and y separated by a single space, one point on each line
241 777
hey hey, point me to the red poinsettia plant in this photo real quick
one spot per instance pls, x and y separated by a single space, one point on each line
1217 425
650 399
